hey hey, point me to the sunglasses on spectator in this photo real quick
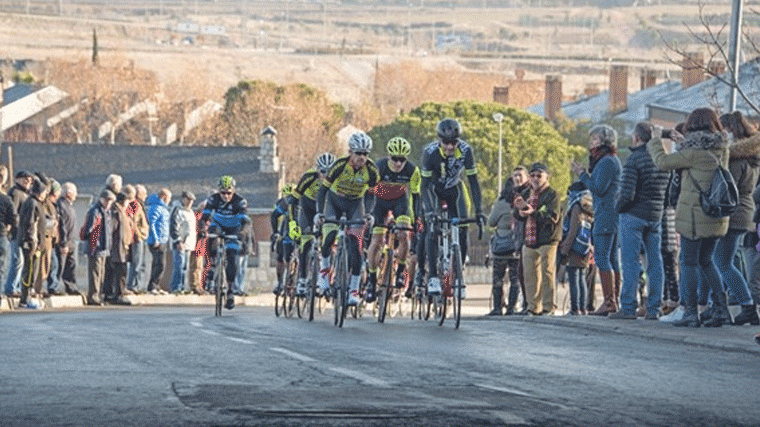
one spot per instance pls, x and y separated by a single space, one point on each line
361 153
398 159
536 175
449 142
226 193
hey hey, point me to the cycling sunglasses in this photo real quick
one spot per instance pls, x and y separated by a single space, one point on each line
398 159
361 153
226 193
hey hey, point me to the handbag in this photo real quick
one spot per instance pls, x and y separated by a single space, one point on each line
502 245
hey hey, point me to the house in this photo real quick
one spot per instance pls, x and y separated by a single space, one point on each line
26 109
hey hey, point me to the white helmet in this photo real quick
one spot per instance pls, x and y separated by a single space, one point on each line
325 161
359 142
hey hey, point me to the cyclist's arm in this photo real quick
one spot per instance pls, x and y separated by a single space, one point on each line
414 188
475 193
292 206
274 218
321 199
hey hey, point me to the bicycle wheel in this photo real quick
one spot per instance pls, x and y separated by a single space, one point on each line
219 282
343 288
337 279
457 281
386 287
415 307
289 279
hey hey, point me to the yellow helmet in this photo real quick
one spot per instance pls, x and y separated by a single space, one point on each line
398 146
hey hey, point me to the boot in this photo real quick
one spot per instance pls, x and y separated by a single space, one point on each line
497 292
514 292
690 318
748 315
718 312
608 282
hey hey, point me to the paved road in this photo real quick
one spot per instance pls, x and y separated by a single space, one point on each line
181 366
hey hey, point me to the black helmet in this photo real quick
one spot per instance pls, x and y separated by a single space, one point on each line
448 130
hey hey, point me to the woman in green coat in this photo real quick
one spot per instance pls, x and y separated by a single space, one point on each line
697 155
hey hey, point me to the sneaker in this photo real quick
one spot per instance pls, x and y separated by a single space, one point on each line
230 302
353 298
31 305
400 280
674 316
370 294
323 281
434 286
301 287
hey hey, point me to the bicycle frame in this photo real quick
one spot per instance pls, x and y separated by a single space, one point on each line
387 259
220 274
340 273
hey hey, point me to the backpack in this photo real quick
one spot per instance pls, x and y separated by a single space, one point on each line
582 244
722 196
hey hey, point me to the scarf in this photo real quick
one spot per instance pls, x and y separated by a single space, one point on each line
598 153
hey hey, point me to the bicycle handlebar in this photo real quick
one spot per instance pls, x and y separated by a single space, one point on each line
341 221
395 227
464 221
224 236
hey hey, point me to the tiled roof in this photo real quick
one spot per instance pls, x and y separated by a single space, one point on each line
178 168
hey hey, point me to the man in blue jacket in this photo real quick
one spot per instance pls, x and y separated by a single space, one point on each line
157 211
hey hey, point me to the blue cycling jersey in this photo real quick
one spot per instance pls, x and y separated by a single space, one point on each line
228 215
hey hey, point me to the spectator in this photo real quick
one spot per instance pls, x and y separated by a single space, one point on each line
603 179
521 183
696 154
136 210
669 250
538 207
197 266
183 231
18 194
744 165
752 254
65 249
116 263
158 235
8 220
502 218
641 202
113 183
49 263
97 231
579 212
246 248
31 239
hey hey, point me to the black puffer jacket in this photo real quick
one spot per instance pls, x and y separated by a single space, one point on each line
642 189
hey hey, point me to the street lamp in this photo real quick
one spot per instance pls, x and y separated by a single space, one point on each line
499 117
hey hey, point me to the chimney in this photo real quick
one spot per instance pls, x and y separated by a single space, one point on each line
519 73
591 89
269 152
553 96
501 94
618 94
716 68
692 69
648 78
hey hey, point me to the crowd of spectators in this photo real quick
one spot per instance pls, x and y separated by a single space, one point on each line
40 234
655 201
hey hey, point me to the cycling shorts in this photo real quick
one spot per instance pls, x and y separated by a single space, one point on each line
399 207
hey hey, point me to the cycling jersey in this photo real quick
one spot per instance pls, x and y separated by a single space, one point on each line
281 215
308 186
344 181
392 185
446 172
228 215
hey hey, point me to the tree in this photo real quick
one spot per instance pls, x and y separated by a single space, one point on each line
527 138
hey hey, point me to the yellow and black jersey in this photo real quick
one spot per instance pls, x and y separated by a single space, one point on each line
344 181
392 185
309 185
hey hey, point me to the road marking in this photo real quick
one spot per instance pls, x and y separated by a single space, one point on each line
504 390
292 354
196 324
240 340
361 377
205 331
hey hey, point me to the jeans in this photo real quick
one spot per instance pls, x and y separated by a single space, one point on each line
725 250
639 232
54 282
576 281
179 272
753 272
157 267
242 264
606 252
13 283
136 275
697 266
5 258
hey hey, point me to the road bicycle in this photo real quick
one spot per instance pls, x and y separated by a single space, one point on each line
387 291
221 287
421 302
313 301
339 268
450 263
286 302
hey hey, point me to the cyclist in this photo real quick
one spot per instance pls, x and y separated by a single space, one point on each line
306 193
444 162
343 192
285 232
225 213
396 174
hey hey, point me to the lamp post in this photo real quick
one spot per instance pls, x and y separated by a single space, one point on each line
499 117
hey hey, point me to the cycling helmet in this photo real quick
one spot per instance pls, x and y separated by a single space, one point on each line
325 161
226 183
359 142
287 189
399 146
448 130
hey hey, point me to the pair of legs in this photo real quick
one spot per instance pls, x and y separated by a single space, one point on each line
640 232
454 205
232 250
402 213
335 207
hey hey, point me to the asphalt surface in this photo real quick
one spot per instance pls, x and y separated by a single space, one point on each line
177 366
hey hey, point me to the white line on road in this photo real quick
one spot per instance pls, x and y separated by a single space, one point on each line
361 377
196 324
206 331
292 354
241 340
504 390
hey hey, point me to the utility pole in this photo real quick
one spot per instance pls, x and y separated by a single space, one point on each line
733 52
